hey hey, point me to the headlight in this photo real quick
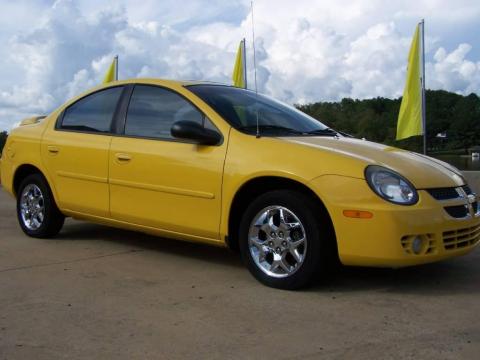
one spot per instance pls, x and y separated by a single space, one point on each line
390 186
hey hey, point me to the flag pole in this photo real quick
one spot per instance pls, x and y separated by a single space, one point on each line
424 113
244 53
116 67
255 68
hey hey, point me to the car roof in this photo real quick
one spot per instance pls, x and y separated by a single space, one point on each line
166 82
148 81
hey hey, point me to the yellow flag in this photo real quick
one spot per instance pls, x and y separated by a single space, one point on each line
410 115
239 71
111 74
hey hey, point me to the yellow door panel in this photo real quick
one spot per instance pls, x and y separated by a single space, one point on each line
78 165
168 185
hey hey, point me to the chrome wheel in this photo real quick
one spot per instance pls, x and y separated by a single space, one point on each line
277 241
32 207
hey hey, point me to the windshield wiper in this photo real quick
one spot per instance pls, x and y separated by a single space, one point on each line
345 134
323 132
271 127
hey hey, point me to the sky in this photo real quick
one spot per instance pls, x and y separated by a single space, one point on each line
306 50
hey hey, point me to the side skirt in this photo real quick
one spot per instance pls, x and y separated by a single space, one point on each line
145 229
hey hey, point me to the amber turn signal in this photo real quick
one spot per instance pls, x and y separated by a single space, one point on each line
358 214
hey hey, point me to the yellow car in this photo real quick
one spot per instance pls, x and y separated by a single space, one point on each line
225 166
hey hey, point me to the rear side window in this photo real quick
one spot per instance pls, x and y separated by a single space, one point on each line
153 110
93 113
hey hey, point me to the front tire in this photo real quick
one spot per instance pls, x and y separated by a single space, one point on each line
37 212
284 239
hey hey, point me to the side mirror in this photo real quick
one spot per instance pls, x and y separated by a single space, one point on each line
193 131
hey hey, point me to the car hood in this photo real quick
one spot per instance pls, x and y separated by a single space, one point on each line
423 171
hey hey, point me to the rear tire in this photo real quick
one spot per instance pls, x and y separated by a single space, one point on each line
37 212
284 240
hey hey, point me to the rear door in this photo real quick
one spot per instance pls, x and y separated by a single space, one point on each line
75 152
159 181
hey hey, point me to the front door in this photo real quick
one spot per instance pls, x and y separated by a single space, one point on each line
158 181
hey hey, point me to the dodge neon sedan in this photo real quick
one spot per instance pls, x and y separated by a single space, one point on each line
221 165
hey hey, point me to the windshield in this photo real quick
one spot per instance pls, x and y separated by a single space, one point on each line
240 108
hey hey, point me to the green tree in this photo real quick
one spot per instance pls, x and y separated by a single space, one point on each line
3 140
376 119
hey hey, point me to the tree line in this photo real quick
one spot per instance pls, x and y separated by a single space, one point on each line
453 121
3 139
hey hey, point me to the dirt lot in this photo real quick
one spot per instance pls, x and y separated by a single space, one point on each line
100 293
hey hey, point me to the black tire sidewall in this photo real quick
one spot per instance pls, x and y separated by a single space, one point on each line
305 209
53 219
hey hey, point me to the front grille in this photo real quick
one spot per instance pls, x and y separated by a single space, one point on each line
467 189
458 211
444 193
455 194
457 239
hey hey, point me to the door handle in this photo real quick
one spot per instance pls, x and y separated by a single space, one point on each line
53 149
123 157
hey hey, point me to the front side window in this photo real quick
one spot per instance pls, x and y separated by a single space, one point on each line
153 110
93 113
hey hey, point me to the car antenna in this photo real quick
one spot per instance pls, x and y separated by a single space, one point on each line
255 71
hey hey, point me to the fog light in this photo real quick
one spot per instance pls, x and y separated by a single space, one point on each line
417 245
420 244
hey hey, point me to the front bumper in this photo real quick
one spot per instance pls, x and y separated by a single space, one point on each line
385 239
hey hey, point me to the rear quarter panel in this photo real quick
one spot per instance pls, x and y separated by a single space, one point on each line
23 148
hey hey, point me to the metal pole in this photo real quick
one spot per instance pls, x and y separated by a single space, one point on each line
424 113
253 44
116 67
244 56
255 68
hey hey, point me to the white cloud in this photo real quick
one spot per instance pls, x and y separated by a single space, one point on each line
454 72
306 51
